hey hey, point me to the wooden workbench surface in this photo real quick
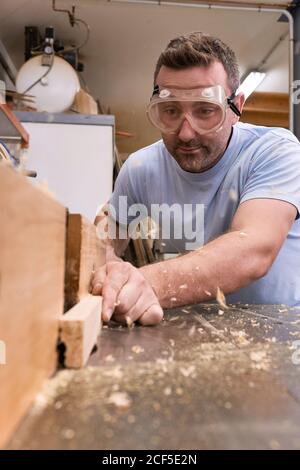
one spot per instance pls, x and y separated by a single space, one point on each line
200 380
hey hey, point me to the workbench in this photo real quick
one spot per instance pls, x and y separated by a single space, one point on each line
205 378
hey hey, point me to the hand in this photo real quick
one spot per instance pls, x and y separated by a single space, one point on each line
127 295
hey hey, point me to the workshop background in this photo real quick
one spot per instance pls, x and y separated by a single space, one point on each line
210 376
127 37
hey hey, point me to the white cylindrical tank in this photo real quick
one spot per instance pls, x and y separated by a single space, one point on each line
56 92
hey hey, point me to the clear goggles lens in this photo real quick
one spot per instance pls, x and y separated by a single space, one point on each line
204 109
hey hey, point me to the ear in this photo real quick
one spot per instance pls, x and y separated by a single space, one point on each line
239 101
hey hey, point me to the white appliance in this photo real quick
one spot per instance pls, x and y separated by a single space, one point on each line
74 155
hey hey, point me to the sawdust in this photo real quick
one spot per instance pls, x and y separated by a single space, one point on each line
137 349
50 390
120 400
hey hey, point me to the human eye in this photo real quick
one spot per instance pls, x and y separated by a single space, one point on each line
204 111
171 111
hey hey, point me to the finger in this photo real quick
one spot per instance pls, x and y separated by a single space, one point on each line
110 254
97 281
152 316
128 296
115 280
143 304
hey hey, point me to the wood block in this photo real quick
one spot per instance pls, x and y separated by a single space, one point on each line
79 329
32 265
84 254
84 103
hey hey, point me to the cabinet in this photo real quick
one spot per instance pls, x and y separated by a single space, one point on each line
74 155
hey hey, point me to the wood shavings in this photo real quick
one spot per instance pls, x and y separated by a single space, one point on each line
220 312
184 310
109 358
131 419
129 322
172 342
174 318
167 391
137 349
192 330
220 297
208 293
58 405
240 336
120 400
188 371
258 356
50 390
115 372
183 286
173 299
233 195
243 234
68 434
274 444
210 328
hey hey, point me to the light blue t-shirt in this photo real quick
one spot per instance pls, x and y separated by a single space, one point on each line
259 162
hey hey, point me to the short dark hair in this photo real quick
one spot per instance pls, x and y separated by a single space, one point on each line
199 49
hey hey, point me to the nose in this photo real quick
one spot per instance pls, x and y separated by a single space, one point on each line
186 132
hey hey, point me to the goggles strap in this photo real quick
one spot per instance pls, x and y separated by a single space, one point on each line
232 106
155 90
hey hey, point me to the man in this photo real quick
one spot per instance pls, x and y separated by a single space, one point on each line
246 177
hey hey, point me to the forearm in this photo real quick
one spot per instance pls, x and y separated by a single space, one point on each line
229 262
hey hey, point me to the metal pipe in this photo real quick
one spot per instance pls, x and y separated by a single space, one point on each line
274 8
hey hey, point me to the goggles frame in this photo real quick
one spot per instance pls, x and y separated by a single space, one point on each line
214 94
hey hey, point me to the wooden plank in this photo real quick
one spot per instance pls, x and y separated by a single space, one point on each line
266 118
32 262
79 330
267 109
84 254
84 103
268 101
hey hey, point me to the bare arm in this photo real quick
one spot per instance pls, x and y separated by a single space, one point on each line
231 261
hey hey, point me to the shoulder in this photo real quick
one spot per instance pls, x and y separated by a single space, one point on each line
147 158
260 134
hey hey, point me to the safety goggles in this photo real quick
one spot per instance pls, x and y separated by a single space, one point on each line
204 108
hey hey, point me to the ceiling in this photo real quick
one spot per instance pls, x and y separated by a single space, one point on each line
126 39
